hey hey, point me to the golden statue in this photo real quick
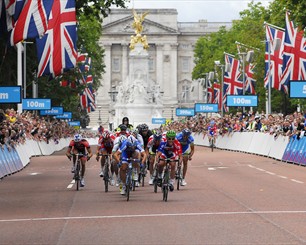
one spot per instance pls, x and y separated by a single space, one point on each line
137 25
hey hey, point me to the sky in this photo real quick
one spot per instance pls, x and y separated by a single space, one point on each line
195 10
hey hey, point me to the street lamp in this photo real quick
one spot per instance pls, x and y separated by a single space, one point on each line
172 108
218 64
99 119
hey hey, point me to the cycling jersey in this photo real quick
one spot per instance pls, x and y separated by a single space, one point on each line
127 152
79 146
153 144
185 143
212 130
170 151
106 144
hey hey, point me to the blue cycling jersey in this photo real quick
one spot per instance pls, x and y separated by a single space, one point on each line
127 152
185 143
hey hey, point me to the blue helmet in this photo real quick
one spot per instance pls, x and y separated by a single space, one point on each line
157 136
212 123
186 132
77 138
131 142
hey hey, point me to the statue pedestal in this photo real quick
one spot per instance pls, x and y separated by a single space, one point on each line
138 114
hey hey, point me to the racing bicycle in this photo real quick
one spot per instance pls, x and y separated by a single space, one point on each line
106 175
130 172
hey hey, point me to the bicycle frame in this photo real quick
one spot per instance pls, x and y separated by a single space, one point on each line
106 176
78 169
130 182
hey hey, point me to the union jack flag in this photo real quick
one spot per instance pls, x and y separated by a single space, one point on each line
217 94
32 21
231 78
294 58
210 92
249 79
83 100
274 73
82 57
57 48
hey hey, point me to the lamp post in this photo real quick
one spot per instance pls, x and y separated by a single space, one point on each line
172 108
99 119
218 64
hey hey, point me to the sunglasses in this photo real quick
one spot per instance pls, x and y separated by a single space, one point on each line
170 138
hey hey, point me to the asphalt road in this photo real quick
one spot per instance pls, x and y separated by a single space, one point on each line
231 198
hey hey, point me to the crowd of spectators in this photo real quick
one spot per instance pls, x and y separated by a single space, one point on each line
15 127
275 124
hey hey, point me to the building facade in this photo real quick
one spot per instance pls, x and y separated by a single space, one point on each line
171 59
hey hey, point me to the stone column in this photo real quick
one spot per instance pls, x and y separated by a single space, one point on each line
173 70
159 66
124 71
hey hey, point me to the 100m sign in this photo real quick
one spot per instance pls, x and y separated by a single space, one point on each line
36 104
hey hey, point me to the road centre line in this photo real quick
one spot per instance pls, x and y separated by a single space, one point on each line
71 184
154 215
280 176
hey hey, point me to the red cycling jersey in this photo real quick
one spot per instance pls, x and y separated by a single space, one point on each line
79 146
106 144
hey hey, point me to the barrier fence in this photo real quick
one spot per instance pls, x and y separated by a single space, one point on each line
281 148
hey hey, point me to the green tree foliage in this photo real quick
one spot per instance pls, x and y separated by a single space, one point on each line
249 30
90 14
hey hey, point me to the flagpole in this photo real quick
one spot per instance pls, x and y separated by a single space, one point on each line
19 72
276 27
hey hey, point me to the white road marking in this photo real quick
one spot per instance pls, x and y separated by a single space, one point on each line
71 184
153 215
34 173
211 169
297 181
280 176
270 173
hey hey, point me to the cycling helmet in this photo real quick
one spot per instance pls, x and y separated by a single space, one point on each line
186 132
106 134
123 127
131 142
77 138
170 134
212 123
122 138
157 136
145 127
134 132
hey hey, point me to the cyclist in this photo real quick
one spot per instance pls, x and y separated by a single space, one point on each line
152 146
117 144
145 133
125 121
79 145
105 146
130 148
187 143
171 148
138 136
212 131
122 130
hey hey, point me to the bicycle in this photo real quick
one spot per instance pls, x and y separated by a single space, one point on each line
130 182
165 185
142 174
78 169
179 175
212 142
106 175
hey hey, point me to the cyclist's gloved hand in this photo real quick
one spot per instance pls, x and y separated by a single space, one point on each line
69 157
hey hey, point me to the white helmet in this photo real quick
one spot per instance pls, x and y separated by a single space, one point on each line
132 139
77 138
122 138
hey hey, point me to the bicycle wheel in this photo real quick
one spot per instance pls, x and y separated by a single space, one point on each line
178 179
77 178
106 175
155 185
142 179
165 193
212 145
128 184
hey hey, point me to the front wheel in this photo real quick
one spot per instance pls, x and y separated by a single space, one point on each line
165 193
